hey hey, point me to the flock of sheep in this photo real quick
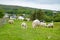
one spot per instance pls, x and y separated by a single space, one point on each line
35 23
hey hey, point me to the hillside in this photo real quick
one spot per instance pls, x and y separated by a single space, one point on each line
12 7
19 10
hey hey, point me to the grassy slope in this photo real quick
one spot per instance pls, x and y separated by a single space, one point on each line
15 32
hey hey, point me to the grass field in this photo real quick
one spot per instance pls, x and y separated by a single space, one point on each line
15 32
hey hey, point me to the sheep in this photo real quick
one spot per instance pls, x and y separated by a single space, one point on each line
28 19
43 24
50 25
21 18
23 25
11 21
35 23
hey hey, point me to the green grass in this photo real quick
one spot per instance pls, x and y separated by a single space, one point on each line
15 32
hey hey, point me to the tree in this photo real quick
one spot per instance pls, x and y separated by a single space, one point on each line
37 14
1 13
48 18
57 17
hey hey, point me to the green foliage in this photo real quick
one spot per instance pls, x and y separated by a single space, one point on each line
49 12
57 17
1 13
38 14
48 18
33 13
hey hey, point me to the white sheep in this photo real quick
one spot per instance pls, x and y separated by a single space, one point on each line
21 18
28 19
42 23
24 25
50 25
11 21
35 23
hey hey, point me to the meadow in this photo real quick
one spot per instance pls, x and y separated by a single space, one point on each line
15 32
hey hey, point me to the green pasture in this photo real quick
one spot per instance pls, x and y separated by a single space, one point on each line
15 32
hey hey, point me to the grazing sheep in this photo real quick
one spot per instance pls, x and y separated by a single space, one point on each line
35 23
50 25
21 18
42 24
24 25
28 19
12 17
11 21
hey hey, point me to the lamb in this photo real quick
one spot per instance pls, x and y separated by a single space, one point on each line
11 21
50 25
24 25
35 23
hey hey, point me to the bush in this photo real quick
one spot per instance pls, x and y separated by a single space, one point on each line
57 18
48 18
1 13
